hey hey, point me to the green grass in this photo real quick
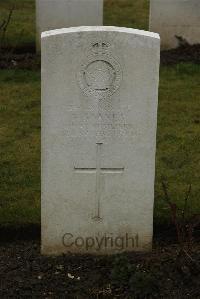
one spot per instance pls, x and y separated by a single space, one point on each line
20 147
178 142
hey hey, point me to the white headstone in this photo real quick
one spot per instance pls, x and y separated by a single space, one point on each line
56 14
171 18
99 112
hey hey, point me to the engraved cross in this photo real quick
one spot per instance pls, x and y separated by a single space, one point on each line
98 171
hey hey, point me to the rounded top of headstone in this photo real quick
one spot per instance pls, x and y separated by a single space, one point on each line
136 32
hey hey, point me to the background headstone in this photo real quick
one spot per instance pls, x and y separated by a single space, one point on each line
171 18
99 112
56 14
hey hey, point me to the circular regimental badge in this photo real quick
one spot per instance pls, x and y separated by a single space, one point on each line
100 74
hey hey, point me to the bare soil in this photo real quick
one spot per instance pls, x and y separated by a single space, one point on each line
164 273
185 53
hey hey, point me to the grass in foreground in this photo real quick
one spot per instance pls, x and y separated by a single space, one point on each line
178 143
20 147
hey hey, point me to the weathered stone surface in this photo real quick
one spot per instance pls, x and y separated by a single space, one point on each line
56 14
171 18
99 112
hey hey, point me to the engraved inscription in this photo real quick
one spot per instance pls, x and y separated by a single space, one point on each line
102 125
100 75
100 47
98 171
